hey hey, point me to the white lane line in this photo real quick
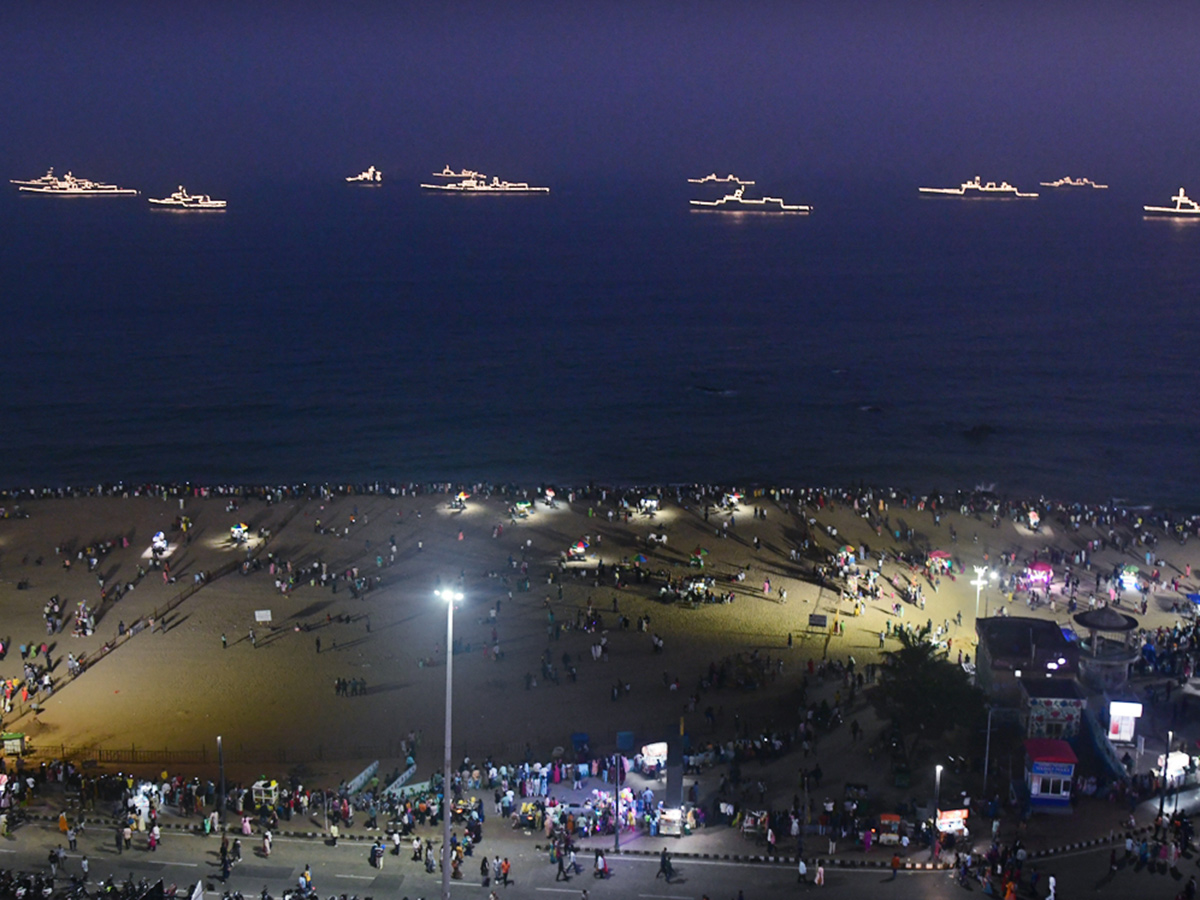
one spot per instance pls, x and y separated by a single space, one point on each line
667 896
558 890
363 877
189 865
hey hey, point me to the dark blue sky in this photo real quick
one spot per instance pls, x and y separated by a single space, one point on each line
213 94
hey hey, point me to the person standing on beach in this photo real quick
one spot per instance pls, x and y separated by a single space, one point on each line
224 641
253 639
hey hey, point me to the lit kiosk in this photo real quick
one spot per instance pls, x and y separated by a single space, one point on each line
1049 769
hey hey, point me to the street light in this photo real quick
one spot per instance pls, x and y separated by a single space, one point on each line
979 584
987 751
221 794
451 597
937 791
1162 794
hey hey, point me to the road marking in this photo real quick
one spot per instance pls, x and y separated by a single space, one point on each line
189 865
667 896
558 890
363 877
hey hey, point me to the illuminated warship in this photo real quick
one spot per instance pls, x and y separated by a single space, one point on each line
69 185
181 199
371 176
477 183
1184 206
976 188
716 179
1068 181
739 202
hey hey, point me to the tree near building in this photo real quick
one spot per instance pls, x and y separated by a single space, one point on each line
923 693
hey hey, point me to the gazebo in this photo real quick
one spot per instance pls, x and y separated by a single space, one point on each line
1106 665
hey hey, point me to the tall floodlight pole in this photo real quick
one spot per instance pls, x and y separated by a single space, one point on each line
221 793
979 583
450 597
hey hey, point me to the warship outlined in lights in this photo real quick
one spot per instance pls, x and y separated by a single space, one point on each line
976 188
371 176
728 179
477 183
1068 181
70 186
737 202
181 199
1184 206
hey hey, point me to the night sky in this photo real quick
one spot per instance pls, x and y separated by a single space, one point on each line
892 92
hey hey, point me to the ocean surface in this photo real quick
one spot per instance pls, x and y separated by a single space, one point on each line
605 332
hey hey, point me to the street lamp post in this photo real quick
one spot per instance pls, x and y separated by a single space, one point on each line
1162 794
221 792
450 597
979 583
987 751
937 792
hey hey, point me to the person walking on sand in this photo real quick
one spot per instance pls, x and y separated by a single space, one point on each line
253 639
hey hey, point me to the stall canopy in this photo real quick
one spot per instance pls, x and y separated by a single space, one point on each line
1050 750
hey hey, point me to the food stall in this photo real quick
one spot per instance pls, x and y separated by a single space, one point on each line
264 793
671 823
889 829
1049 770
653 759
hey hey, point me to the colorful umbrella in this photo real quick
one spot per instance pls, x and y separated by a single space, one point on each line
549 492
846 549
640 558
699 551
939 554
580 546
462 495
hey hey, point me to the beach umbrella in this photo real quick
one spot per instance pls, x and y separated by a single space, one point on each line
1041 566
939 554
845 548
523 504
699 551
462 495
640 558
580 546
549 492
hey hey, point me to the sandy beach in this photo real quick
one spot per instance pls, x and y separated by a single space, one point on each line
177 687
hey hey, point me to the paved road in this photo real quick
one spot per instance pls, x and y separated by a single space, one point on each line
184 858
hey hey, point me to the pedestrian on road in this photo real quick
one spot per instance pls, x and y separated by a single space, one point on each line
485 872
84 865
562 875
505 869
225 869
72 837
267 844
237 850
895 865
664 865
1052 883
820 878
803 870
120 842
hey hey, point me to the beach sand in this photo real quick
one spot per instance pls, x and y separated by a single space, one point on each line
275 707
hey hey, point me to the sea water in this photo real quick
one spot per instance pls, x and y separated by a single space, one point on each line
607 332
